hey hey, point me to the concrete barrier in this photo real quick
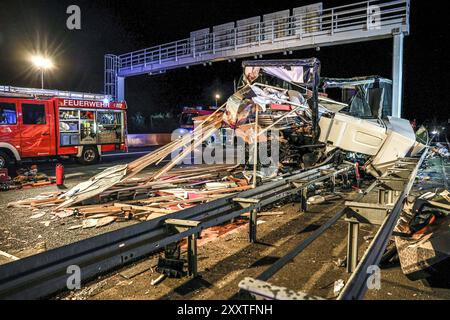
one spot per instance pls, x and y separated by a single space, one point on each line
148 140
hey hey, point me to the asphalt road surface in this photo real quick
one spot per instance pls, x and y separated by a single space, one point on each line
73 169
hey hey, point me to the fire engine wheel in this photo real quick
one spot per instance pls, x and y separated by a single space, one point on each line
89 156
4 160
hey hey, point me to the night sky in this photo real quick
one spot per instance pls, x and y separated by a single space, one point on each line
113 26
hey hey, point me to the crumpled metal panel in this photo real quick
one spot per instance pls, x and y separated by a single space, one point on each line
94 186
352 134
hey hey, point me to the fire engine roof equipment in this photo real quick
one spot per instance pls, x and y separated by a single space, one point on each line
33 92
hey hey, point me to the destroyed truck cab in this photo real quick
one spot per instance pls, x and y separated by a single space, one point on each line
268 99
290 97
366 126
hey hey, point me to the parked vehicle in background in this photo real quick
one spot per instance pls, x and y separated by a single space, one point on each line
187 122
37 123
189 114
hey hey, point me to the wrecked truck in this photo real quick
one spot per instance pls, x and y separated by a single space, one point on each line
289 96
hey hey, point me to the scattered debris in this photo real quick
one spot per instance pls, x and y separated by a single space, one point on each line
136 270
341 263
266 214
9 256
33 250
423 241
46 223
89 223
64 214
316 200
320 199
441 150
26 178
37 216
177 190
158 280
105 221
338 286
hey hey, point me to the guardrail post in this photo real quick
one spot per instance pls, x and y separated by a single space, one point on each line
246 203
386 196
352 246
192 256
304 200
397 75
160 55
182 226
253 225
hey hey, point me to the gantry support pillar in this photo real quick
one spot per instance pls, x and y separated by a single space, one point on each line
397 75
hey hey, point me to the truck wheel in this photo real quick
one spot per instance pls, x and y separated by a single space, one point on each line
4 160
89 156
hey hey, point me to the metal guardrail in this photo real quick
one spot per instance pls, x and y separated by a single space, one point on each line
386 212
356 286
53 93
45 274
329 22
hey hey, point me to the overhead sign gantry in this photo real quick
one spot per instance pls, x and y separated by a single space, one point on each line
284 31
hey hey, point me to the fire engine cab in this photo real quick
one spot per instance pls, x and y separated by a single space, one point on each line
38 123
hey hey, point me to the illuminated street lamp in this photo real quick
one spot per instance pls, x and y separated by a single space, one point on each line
42 64
217 100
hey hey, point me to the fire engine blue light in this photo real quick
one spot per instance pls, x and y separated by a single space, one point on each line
106 101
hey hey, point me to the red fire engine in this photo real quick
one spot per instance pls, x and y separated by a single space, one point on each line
46 123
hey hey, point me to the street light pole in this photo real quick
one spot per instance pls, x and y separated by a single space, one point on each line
42 78
217 100
42 64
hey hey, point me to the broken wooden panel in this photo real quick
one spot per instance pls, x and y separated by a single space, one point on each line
94 186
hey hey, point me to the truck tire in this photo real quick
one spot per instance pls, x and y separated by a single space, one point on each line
89 156
4 160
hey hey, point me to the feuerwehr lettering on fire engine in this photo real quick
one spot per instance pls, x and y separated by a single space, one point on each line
83 103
